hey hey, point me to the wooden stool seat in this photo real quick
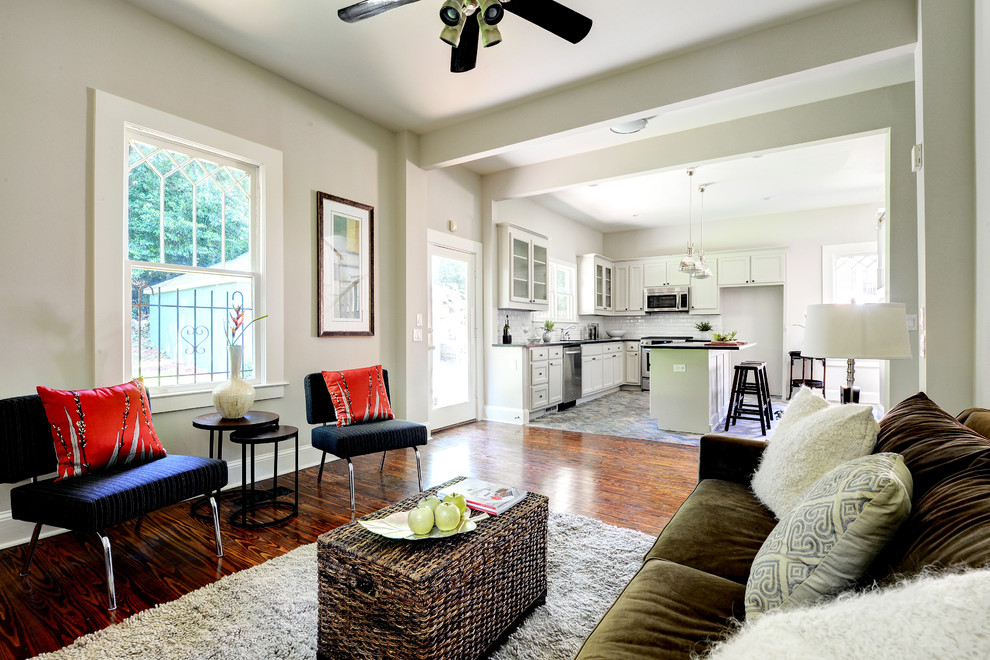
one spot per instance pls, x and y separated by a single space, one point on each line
739 407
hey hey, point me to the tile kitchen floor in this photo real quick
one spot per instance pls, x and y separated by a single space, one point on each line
627 414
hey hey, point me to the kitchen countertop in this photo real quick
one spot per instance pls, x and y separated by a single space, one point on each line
698 345
566 341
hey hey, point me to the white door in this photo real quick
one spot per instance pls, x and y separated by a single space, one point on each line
453 336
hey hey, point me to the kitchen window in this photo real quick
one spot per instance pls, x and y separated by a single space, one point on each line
563 278
187 228
851 273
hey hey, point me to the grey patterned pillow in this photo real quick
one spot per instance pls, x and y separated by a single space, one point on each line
833 534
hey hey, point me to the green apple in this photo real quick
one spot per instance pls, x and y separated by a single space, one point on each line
457 499
430 501
420 520
448 516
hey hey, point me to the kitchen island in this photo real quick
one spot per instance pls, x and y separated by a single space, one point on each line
690 384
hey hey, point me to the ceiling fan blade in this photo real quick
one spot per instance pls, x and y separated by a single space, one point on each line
465 56
553 17
368 8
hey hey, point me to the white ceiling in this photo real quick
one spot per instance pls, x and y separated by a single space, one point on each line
394 70
829 174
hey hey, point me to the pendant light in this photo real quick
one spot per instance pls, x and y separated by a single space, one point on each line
689 264
703 270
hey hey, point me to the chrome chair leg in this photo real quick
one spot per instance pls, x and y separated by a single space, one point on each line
350 477
30 554
108 559
216 526
419 469
381 468
319 477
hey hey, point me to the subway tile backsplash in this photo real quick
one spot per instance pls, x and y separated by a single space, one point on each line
661 324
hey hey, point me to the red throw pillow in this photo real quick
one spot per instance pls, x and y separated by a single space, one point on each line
100 428
358 395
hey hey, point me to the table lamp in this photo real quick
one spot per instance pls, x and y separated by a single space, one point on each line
875 331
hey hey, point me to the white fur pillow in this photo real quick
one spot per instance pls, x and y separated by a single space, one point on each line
812 437
931 616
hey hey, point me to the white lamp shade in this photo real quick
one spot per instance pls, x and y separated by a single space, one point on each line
872 331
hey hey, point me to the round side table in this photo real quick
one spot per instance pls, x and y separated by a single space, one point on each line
255 499
218 425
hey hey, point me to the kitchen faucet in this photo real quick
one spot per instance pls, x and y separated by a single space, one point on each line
564 334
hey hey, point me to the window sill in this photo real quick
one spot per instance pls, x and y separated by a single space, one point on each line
187 400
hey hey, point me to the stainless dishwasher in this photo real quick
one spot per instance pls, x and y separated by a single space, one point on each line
572 372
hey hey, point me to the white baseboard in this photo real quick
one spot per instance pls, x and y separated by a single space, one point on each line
15 532
507 415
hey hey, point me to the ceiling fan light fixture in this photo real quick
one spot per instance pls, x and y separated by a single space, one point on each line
453 21
491 12
490 35
630 127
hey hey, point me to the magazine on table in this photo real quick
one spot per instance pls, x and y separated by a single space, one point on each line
484 496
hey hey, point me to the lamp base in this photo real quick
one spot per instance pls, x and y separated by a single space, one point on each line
849 394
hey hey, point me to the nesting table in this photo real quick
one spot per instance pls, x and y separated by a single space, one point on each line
254 499
450 597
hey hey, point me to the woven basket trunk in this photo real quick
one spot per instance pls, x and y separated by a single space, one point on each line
438 598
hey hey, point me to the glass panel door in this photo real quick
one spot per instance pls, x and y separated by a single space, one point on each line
453 361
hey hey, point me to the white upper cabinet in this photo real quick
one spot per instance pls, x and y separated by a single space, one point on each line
596 284
664 273
628 286
523 269
704 293
752 268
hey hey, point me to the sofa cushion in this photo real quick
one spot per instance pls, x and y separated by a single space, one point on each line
935 616
977 419
100 428
832 536
666 611
934 445
812 437
718 529
948 526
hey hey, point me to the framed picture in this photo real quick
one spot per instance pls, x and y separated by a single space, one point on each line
346 238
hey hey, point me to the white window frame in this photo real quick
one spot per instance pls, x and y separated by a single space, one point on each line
552 291
831 252
113 117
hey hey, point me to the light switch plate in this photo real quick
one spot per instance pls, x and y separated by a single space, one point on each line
417 335
419 320
680 368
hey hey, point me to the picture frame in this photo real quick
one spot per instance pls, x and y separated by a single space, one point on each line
346 272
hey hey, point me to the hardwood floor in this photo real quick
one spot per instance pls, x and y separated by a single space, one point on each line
623 481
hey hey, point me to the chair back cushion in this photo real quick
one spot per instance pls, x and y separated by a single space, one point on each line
100 428
319 405
26 448
358 395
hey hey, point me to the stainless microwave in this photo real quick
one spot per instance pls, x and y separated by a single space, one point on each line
667 299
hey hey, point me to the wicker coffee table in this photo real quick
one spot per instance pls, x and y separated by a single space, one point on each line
438 598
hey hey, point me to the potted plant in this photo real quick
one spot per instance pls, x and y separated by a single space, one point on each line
705 328
724 338
547 329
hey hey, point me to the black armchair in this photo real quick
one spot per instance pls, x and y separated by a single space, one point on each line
357 439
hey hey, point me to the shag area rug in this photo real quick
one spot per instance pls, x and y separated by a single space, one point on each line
270 610
627 414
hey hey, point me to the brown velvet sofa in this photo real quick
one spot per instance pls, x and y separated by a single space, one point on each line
692 582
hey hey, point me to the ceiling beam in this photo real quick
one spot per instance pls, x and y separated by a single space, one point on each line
852 31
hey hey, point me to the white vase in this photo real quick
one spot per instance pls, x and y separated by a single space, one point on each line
235 396
546 337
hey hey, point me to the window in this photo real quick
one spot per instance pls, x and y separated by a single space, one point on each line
563 278
850 273
187 227
190 221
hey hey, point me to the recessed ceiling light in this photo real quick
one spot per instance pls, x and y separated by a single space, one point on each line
637 215
628 127
768 198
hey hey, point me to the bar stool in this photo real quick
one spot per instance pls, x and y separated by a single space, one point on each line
762 410
807 373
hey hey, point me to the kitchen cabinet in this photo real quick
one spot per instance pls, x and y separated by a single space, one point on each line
596 284
664 272
632 363
592 369
752 268
555 375
523 269
704 293
629 286
612 365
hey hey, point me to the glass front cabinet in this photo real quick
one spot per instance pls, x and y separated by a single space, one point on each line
524 269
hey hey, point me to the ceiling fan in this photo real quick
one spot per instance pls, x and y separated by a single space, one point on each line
463 34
